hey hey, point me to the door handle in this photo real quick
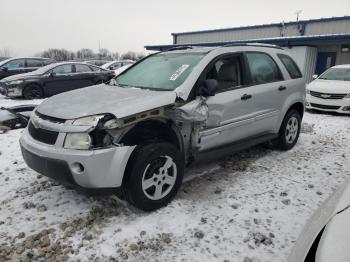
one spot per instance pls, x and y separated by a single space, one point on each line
281 88
246 97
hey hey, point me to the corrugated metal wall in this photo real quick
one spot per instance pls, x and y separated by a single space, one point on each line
314 28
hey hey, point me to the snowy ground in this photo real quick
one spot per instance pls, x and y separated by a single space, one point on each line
250 206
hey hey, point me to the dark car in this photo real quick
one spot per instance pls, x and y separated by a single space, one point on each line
20 65
54 79
97 62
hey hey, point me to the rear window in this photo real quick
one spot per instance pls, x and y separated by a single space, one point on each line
290 65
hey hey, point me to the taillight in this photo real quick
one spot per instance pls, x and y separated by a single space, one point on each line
113 74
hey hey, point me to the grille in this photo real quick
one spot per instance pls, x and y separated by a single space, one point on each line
327 95
325 106
50 118
42 135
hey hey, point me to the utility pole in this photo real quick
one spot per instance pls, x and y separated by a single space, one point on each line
298 12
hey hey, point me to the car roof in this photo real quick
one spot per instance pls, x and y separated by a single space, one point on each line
341 66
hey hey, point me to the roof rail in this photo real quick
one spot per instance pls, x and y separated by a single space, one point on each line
183 47
254 44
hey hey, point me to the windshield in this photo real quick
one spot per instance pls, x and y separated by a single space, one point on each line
342 74
163 71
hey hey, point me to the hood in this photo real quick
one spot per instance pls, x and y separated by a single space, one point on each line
20 76
330 86
102 99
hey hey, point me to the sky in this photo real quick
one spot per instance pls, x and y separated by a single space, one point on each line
31 26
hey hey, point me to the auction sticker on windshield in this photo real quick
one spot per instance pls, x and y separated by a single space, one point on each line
178 72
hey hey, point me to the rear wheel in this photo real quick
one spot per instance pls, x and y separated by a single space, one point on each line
154 176
33 92
289 131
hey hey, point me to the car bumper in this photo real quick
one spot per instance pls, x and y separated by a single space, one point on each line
103 168
341 106
11 91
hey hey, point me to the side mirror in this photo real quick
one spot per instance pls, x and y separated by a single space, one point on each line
52 74
314 77
5 69
208 87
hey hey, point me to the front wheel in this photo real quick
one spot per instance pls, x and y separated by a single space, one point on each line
289 131
33 92
154 175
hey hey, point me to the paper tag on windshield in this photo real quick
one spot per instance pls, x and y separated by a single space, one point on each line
178 72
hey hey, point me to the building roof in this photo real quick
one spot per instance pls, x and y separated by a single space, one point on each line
329 19
280 41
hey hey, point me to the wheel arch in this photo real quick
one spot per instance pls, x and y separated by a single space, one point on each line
34 84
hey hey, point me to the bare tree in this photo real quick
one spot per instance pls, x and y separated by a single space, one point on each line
58 54
116 56
104 53
85 53
5 52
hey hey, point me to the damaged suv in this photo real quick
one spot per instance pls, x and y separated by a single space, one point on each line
172 108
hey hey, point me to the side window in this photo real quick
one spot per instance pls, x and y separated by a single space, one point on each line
15 64
34 63
82 68
227 71
48 61
290 65
62 69
95 68
263 68
115 66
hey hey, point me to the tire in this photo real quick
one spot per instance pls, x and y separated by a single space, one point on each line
33 92
289 130
153 176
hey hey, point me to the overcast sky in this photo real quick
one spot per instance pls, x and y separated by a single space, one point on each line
30 26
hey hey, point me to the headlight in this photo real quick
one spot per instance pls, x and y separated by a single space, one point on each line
307 91
108 121
16 82
87 121
77 141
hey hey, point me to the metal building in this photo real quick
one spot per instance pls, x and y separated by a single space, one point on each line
316 44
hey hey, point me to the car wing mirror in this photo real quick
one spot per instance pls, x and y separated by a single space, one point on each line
52 74
208 87
5 69
314 77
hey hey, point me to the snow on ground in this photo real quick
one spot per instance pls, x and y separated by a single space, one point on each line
250 206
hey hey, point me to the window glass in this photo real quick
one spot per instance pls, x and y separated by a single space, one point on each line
82 68
14 64
115 66
227 72
163 71
34 63
291 66
95 68
48 61
336 74
263 68
62 69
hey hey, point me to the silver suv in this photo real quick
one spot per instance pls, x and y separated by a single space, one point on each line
172 108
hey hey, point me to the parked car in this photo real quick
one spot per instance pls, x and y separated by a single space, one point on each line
54 79
114 65
326 236
20 65
97 62
330 91
120 70
138 132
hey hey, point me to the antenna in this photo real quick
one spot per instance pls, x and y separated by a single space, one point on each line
298 12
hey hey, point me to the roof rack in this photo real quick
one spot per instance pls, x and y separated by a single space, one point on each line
254 44
184 47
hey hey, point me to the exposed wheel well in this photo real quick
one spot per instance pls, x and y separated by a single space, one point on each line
298 107
151 131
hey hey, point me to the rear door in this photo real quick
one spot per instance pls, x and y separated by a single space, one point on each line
33 64
84 75
268 90
13 67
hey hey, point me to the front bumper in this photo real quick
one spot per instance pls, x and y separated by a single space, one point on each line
341 106
11 90
103 168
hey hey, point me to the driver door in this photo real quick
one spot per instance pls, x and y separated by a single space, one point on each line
231 110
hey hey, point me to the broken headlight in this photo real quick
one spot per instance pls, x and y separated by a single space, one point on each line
98 137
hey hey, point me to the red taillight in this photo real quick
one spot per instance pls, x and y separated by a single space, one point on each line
113 74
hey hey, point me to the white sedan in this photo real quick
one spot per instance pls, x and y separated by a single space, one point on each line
326 236
330 91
